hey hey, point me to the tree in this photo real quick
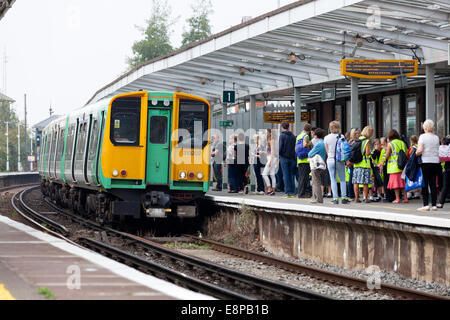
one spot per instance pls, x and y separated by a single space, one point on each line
7 114
156 40
199 24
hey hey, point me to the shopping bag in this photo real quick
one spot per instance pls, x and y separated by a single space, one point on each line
417 183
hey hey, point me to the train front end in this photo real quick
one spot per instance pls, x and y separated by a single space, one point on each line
155 155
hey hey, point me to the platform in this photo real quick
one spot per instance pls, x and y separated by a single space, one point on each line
381 211
396 238
31 260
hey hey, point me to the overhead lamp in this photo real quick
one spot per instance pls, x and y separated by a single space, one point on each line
359 41
293 57
242 71
203 81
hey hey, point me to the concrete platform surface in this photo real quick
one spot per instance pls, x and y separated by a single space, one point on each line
31 261
398 213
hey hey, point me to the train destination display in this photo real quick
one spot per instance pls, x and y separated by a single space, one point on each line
378 69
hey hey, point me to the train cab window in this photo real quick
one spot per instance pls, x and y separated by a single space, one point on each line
125 121
193 123
158 130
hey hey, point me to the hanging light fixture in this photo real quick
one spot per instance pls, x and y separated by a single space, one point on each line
359 41
242 71
292 58
203 81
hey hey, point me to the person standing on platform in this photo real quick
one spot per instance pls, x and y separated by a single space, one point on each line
242 152
362 172
287 159
414 141
319 149
304 168
336 168
431 167
444 152
272 164
257 164
354 136
218 154
396 182
232 166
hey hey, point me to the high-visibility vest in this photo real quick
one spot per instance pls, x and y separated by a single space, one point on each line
366 159
301 136
396 146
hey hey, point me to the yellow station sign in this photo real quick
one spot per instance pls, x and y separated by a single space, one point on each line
280 117
379 69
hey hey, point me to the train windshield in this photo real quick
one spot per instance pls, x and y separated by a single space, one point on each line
125 120
194 116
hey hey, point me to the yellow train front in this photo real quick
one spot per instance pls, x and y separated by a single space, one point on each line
140 154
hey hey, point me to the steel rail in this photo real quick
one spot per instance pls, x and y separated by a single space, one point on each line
262 285
24 210
323 275
37 224
248 280
160 271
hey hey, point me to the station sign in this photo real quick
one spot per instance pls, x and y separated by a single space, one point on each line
226 124
229 96
379 69
328 95
280 117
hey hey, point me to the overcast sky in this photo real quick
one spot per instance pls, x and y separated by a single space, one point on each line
60 52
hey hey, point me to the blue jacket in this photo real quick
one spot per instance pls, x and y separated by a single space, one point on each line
319 149
287 145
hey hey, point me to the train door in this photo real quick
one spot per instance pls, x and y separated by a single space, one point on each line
158 150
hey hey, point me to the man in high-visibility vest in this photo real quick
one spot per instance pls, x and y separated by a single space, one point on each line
304 168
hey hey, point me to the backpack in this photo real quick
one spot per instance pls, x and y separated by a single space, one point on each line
356 154
402 158
300 151
444 153
343 149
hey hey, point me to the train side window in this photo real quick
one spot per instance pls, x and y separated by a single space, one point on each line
94 141
125 121
69 143
158 130
60 149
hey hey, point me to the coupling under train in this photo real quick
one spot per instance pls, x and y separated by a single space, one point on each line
139 155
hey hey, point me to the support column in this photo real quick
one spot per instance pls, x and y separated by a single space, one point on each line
252 133
224 135
354 110
298 111
431 93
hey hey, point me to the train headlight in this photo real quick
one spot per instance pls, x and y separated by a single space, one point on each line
200 176
123 173
191 175
183 175
115 173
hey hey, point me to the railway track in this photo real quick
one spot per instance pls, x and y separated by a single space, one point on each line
228 284
261 288
319 274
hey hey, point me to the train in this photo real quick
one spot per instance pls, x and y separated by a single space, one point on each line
137 155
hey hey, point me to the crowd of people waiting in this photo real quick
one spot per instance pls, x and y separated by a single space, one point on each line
342 167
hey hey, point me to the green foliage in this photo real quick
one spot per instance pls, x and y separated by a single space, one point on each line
46 293
8 114
199 24
156 40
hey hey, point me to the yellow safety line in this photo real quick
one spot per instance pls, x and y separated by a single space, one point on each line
5 294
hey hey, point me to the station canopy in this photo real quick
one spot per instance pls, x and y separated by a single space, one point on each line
299 45
4 6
